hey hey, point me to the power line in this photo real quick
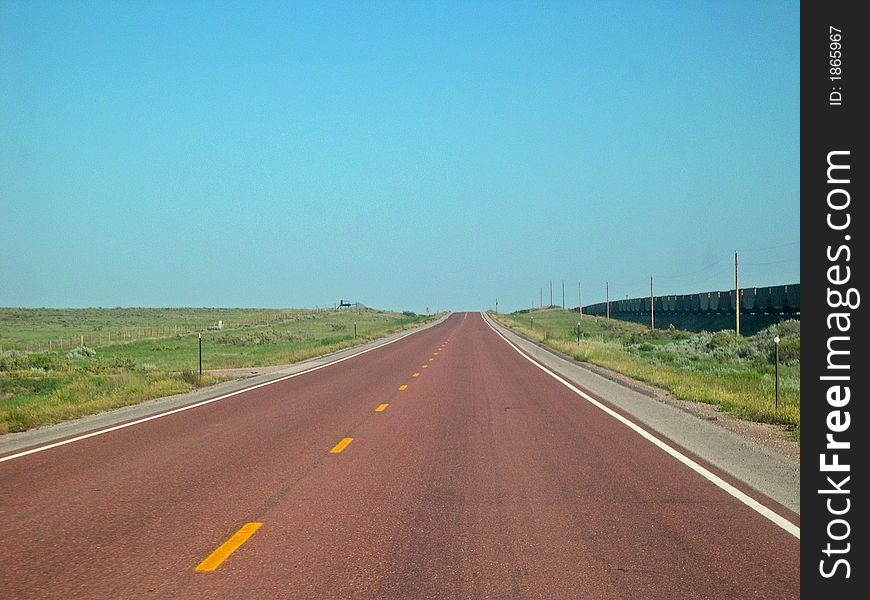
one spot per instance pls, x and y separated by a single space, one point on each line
703 270
772 262
771 247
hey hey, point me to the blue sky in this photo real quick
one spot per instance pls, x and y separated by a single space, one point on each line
403 154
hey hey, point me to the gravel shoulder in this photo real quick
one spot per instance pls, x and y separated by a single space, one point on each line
773 437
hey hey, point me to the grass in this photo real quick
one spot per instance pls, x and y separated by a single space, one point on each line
24 328
49 387
736 374
289 340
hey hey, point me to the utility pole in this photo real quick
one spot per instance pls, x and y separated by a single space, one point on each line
200 358
737 292
496 305
652 306
542 297
607 297
563 294
580 298
551 292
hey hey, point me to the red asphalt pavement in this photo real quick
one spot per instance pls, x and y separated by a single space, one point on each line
484 478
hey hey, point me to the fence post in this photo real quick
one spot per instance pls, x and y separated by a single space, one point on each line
776 344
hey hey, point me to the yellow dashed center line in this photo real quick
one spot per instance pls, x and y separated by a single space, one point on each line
403 387
341 445
223 551
424 366
431 359
381 408
415 374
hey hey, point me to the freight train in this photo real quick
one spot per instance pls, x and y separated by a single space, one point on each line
773 300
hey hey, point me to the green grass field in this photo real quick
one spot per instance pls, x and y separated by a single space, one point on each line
38 388
735 374
30 329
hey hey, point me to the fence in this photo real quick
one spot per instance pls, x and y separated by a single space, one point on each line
122 335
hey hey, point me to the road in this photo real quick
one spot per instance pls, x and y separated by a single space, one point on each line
482 477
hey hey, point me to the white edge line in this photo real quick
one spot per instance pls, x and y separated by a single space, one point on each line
198 404
712 477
